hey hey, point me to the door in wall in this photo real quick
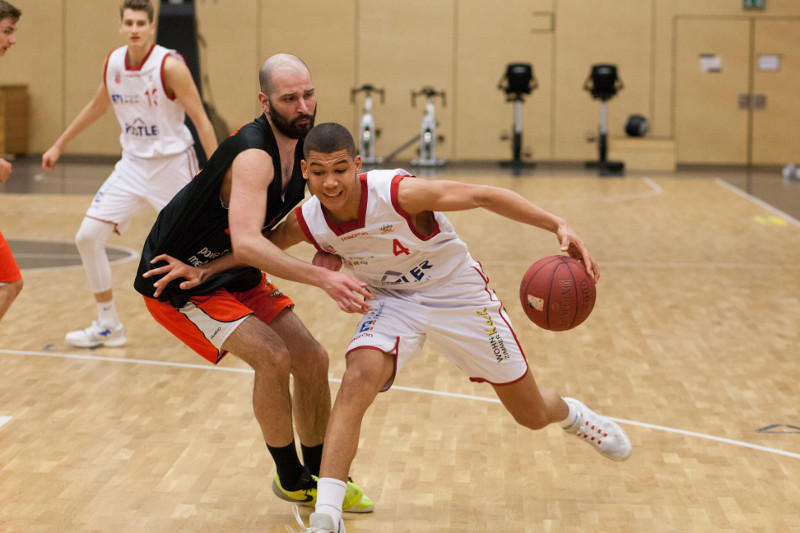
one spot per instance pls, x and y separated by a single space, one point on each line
776 92
711 72
736 91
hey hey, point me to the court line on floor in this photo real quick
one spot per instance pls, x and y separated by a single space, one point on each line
130 255
654 190
394 387
5 419
759 202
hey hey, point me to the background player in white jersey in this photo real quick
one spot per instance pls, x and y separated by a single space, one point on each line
10 277
151 90
387 227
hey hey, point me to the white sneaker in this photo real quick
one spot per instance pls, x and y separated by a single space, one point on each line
317 523
97 335
601 433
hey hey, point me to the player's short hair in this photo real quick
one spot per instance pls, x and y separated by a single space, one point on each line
137 5
7 11
327 138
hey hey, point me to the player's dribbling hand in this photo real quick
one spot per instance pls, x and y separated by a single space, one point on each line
575 248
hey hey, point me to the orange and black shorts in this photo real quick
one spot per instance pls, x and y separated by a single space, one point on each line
9 271
206 321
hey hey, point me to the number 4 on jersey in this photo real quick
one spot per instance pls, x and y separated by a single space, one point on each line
398 248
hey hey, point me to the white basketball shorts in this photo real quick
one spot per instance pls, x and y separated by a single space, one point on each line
462 317
135 182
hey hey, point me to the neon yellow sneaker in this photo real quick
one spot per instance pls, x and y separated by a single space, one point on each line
355 501
305 495
362 505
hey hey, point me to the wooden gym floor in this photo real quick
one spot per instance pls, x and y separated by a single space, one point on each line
692 346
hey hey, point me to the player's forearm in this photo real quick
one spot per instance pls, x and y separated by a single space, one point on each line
205 130
515 207
261 253
221 264
282 236
207 138
85 118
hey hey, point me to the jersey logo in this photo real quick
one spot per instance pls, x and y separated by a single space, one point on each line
371 318
496 343
140 129
118 99
204 256
415 274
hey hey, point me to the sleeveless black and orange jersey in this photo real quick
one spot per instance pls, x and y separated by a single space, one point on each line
193 226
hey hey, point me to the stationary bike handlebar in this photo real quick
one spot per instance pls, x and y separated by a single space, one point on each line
428 92
368 89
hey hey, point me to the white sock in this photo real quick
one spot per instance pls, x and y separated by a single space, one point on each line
107 314
330 495
572 417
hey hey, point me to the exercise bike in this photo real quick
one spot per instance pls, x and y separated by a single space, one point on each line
603 83
367 132
428 137
516 83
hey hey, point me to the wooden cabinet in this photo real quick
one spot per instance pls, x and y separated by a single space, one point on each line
13 119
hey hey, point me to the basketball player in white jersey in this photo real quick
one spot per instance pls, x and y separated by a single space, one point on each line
387 227
151 90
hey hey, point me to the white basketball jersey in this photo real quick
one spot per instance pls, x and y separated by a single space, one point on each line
152 122
382 248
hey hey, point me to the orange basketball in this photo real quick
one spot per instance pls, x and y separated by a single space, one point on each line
557 293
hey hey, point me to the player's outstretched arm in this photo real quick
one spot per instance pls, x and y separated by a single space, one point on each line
194 276
251 175
417 195
178 80
288 233
95 109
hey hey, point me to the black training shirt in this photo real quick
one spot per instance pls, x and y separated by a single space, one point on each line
193 226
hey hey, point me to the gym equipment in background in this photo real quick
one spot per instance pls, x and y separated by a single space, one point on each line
791 174
603 83
636 126
367 133
517 82
428 137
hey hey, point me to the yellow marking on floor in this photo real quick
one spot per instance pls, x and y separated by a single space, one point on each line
770 220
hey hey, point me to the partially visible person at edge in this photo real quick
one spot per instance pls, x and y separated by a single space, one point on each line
151 90
10 276
248 185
